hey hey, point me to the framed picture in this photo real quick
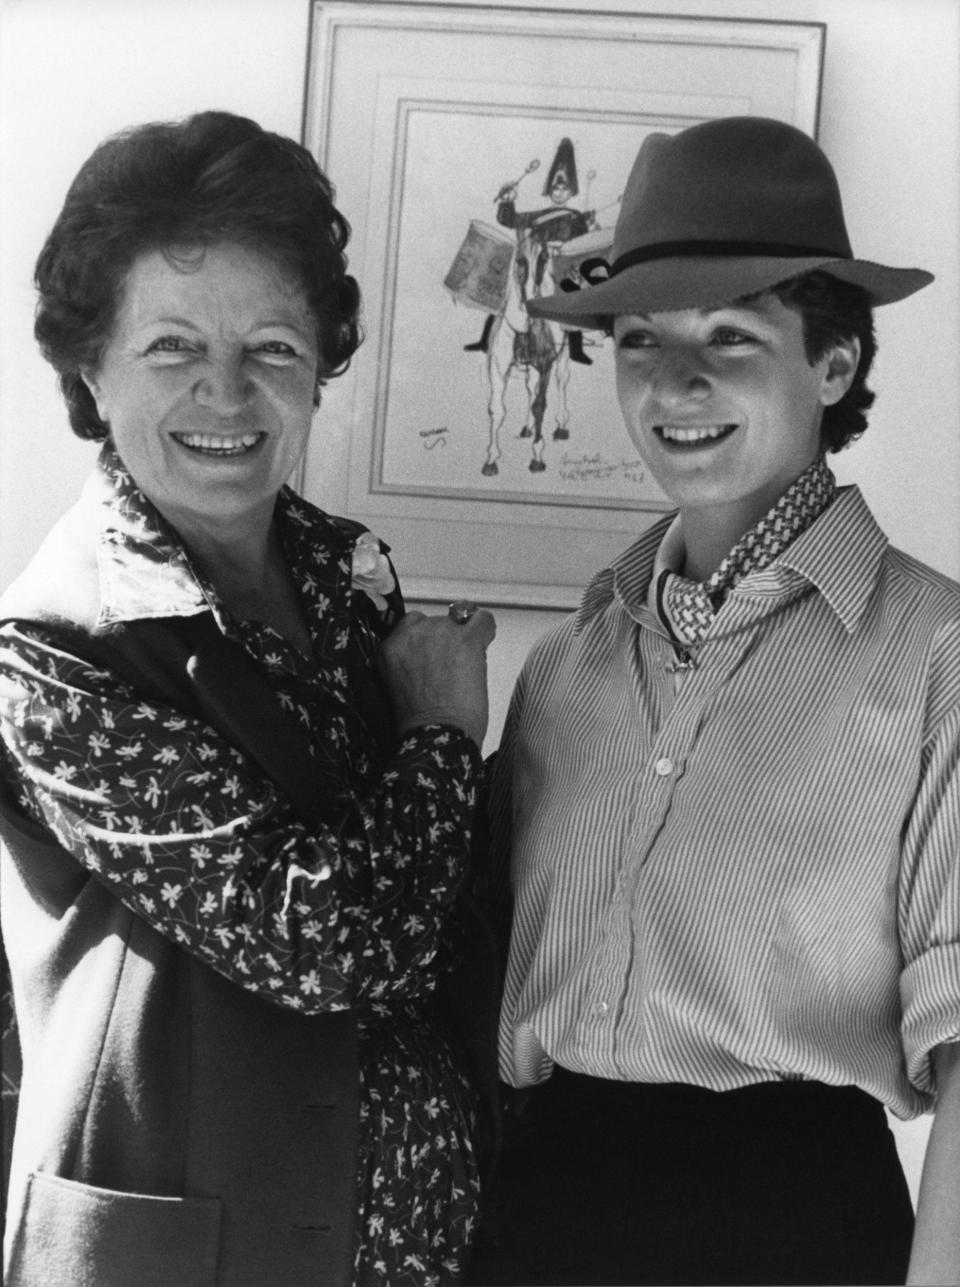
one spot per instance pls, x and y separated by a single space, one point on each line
479 154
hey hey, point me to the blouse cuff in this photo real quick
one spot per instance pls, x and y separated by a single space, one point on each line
430 740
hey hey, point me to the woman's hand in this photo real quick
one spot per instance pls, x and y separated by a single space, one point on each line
436 671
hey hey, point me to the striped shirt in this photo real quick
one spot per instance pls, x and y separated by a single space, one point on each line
753 874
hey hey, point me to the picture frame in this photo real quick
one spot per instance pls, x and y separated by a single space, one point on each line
491 456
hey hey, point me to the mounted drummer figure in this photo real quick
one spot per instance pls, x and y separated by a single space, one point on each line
512 340
547 228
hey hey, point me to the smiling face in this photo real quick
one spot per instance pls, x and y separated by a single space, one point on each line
724 405
207 381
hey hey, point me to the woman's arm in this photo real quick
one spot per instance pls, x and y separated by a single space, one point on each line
935 1258
195 840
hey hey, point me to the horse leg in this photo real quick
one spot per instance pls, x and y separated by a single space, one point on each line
528 381
561 371
497 378
537 464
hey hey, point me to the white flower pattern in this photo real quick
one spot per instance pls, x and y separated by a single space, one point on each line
194 839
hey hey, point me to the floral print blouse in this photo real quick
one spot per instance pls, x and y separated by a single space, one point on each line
194 839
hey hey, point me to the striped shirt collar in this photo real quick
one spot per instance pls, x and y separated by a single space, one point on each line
839 555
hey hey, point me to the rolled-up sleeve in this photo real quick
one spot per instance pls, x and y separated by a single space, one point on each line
930 906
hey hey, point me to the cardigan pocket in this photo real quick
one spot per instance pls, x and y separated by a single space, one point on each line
72 1233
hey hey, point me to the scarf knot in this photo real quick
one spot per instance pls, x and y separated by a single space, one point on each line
689 607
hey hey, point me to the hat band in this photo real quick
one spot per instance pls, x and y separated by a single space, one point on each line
767 249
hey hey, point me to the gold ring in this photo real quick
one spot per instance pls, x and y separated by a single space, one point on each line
462 611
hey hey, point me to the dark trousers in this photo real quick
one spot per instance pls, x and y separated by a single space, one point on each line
604 1182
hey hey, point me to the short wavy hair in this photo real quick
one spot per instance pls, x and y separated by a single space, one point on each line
834 311
208 178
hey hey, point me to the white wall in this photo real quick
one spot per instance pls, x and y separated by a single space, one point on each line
72 71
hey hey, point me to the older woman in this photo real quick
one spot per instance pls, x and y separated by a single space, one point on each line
238 781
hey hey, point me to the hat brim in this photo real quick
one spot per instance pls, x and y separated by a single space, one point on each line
666 285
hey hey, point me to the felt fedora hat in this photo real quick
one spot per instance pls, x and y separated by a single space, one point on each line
718 211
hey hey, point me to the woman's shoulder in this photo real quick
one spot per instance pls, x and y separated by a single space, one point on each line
61 584
314 523
923 602
927 584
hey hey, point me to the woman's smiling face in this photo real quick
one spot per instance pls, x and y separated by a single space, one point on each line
207 380
724 405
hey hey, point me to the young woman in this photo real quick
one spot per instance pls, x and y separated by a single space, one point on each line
729 786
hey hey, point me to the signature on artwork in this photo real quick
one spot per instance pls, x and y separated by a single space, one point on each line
434 437
593 467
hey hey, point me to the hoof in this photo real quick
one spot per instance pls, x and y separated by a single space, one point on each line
560 434
490 469
537 466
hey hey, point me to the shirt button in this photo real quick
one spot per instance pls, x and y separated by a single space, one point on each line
664 767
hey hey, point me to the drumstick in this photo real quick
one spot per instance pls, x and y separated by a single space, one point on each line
534 165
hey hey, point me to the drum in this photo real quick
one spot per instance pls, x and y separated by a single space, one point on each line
598 243
479 276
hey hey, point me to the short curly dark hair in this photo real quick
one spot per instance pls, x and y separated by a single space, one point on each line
208 178
833 311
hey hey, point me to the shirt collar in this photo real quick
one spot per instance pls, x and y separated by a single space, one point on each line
627 577
839 555
145 570
670 554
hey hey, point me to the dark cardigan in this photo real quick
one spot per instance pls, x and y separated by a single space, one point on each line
172 1128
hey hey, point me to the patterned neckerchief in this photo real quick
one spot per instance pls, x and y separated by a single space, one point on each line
687 607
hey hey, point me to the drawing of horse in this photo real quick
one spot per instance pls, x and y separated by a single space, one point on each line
533 350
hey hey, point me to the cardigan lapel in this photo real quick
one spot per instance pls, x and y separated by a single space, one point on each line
188 663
